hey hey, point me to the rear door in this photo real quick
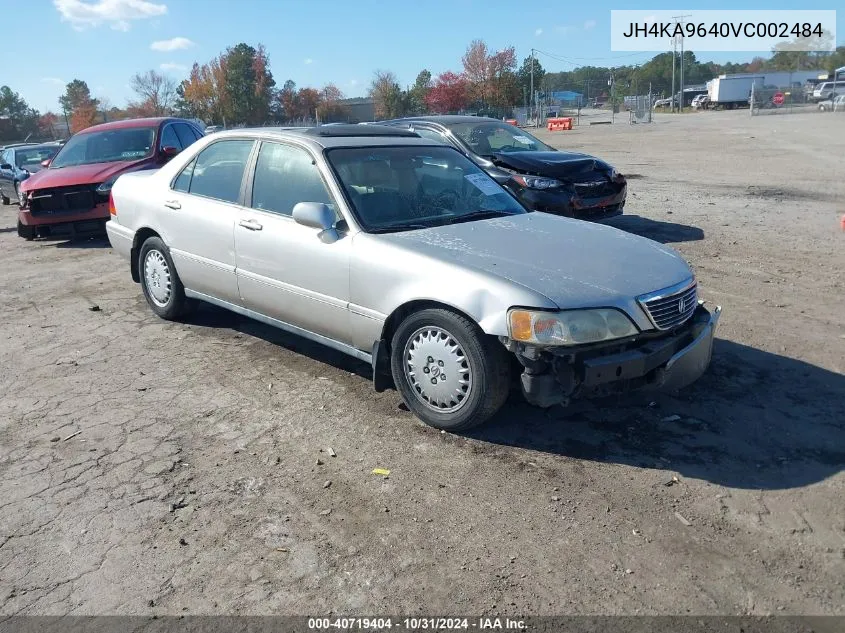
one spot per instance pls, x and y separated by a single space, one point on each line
284 270
198 218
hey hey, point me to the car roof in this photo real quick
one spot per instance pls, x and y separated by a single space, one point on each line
446 119
131 123
327 137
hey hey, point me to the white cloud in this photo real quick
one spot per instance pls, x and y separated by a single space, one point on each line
54 80
538 32
174 44
172 66
116 13
353 82
308 60
589 24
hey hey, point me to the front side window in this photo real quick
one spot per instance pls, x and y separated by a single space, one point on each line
218 170
169 138
411 187
106 147
491 137
285 176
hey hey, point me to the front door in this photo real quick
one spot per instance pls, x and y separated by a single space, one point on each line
284 270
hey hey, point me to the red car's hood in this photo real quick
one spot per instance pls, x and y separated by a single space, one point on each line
82 174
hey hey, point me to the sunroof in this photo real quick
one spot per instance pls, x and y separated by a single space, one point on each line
359 130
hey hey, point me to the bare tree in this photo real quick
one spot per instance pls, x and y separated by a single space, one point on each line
157 92
386 95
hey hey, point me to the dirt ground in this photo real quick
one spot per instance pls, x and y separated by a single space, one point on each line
220 466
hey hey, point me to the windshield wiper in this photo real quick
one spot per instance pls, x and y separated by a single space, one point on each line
478 215
393 228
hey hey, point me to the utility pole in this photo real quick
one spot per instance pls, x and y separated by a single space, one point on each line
531 107
674 55
679 19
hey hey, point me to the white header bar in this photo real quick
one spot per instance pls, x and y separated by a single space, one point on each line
709 30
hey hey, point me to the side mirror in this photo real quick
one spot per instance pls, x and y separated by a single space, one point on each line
5 166
46 162
168 151
317 215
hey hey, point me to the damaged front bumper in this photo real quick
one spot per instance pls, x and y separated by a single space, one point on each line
668 362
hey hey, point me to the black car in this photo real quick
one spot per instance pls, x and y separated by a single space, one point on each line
543 178
19 162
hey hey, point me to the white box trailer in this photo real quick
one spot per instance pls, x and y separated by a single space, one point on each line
726 91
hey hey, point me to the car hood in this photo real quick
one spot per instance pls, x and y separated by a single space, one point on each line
81 174
574 263
553 164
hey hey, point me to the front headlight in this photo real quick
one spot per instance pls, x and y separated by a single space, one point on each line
572 327
106 186
536 182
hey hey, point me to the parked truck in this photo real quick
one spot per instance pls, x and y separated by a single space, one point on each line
726 91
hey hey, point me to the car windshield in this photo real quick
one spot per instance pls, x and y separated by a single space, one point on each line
413 187
33 157
106 146
491 137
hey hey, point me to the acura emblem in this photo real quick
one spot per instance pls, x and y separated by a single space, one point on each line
682 305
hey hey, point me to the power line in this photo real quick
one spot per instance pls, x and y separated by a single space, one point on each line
575 61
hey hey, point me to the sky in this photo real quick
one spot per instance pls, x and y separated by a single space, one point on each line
104 42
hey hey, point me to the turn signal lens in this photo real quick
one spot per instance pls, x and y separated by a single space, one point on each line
112 208
520 325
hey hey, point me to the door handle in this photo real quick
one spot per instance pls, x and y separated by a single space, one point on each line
173 204
252 225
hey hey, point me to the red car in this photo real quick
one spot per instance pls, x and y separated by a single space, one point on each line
71 196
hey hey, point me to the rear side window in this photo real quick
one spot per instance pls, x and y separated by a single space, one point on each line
183 182
284 176
218 170
185 133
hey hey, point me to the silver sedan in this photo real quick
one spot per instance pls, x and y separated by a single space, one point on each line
403 253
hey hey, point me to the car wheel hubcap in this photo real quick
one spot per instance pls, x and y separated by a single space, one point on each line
157 277
437 369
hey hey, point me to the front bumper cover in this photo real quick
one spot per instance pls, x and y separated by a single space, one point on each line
665 363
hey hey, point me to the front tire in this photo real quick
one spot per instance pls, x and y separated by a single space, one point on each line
160 283
449 373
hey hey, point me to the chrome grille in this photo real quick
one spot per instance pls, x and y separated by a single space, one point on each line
670 310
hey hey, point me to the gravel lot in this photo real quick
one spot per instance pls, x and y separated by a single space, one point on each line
220 466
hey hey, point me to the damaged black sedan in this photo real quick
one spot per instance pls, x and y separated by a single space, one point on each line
542 178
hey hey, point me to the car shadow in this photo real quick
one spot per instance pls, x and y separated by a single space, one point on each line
755 420
209 318
664 232
92 241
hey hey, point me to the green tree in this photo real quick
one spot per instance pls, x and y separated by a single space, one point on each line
248 83
17 118
524 76
418 93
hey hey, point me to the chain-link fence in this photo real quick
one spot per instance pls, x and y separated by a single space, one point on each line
639 108
771 99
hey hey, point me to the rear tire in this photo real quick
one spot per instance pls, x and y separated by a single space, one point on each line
4 199
26 232
160 282
450 374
